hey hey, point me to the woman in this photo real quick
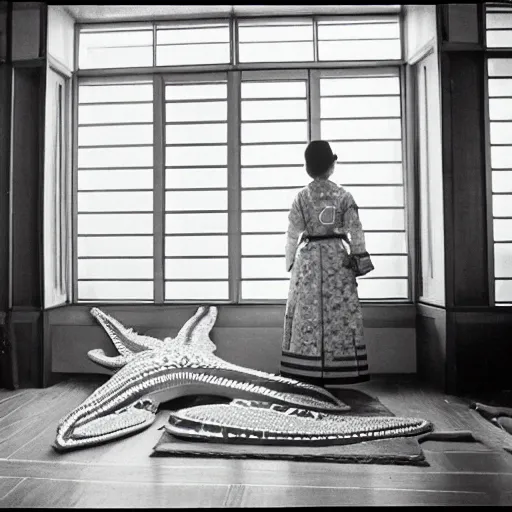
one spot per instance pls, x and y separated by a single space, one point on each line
323 331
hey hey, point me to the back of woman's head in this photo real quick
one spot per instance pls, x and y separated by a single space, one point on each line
319 158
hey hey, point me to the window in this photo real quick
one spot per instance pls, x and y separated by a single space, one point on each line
499 87
196 197
500 138
274 132
185 179
114 248
360 114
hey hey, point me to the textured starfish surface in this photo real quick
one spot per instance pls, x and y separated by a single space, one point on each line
150 371
253 422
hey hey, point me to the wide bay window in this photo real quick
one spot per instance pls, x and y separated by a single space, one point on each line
190 140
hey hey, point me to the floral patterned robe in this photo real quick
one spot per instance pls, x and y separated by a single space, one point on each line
323 329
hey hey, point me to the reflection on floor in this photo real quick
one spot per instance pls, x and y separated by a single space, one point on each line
122 474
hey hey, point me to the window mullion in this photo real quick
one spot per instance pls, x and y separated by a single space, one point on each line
234 186
158 189
314 104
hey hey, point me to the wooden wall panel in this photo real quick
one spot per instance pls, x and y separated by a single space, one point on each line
246 335
26 185
468 205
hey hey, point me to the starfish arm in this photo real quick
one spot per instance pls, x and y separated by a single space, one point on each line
121 423
98 356
126 340
264 423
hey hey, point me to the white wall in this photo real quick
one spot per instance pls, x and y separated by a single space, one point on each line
61 36
420 29
421 51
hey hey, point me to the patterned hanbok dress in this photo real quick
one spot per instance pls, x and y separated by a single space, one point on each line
323 328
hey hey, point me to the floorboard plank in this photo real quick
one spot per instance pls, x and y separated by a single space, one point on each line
7 484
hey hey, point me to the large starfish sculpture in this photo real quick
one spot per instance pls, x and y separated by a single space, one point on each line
149 371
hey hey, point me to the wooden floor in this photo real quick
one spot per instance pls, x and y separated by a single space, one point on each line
121 474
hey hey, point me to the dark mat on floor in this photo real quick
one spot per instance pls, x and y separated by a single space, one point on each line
399 450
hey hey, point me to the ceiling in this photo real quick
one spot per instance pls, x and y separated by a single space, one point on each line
110 13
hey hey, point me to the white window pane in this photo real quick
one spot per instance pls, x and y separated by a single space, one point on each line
502 206
377 196
503 259
361 129
115 135
371 107
276 52
115 246
110 58
115 157
373 86
210 268
284 89
190 156
499 87
112 290
97 224
274 177
264 221
115 38
187 55
196 111
275 132
500 109
268 199
265 290
263 244
276 32
360 50
106 114
358 30
116 49
196 91
375 289
499 39
196 178
382 219
196 133
115 93
502 181
501 133
115 201
193 34
200 200
503 230
501 157
203 290
389 266
196 245
273 154
264 267
196 223
115 269
115 179
257 110
498 20
386 243
500 67
503 291
385 151
362 174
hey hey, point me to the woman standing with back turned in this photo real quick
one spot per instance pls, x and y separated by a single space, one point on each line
323 330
